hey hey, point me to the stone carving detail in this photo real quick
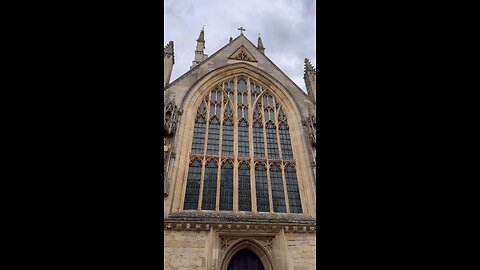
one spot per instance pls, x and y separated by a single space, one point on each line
311 128
182 225
225 243
267 243
243 54
166 147
171 114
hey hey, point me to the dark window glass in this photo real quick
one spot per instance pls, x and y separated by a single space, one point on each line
244 192
212 110
213 138
193 186
272 141
210 186
261 186
258 146
285 142
243 139
232 92
227 140
292 189
226 187
281 116
242 86
278 196
198 136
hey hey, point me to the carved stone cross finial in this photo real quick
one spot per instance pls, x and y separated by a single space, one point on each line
241 30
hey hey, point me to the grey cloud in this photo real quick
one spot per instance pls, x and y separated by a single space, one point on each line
287 28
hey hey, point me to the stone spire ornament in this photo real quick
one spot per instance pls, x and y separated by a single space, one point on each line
168 61
260 44
201 37
199 51
310 78
308 66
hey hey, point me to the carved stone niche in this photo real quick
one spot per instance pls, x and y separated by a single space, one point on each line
171 114
252 241
311 128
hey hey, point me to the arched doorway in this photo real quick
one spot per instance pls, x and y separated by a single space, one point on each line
245 259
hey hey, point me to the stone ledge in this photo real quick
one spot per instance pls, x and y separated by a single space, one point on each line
219 217
238 226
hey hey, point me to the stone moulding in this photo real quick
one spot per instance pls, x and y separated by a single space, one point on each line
236 227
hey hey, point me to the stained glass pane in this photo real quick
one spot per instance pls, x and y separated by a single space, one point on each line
226 187
243 150
198 137
213 138
212 110
261 186
278 197
272 141
227 140
258 146
292 189
244 201
242 86
285 142
210 186
193 186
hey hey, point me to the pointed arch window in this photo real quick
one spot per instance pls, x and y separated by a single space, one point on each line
241 154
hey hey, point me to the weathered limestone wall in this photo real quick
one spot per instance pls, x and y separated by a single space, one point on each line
185 250
301 251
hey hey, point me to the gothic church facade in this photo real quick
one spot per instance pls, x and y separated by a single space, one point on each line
239 157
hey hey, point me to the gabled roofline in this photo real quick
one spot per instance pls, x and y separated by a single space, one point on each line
198 65
305 94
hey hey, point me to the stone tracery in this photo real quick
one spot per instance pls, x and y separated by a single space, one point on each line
230 108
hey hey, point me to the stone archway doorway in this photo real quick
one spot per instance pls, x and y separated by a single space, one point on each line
245 259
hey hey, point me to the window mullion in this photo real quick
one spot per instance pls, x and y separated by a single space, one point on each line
277 124
200 194
253 197
235 145
267 167
287 203
220 134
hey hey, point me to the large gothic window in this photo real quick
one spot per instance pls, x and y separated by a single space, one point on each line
241 146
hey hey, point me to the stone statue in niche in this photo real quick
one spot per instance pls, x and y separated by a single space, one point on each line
311 127
165 150
171 115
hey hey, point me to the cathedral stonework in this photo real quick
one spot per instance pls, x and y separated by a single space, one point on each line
239 157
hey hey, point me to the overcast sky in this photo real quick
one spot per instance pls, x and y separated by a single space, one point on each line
287 28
